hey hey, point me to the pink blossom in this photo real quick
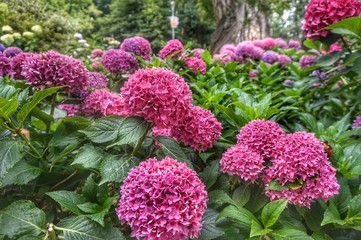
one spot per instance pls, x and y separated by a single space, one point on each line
242 161
227 48
16 65
261 136
322 13
195 64
357 122
158 95
281 43
197 52
224 58
119 61
294 44
252 74
162 200
70 109
249 50
137 45
284 59
173 47
5 66
270 57
96 53
307 61
302 168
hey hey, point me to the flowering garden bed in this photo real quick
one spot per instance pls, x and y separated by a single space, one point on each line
260 140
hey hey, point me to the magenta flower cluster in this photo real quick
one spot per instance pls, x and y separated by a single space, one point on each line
16 64
162 200
322 13
70 109
4 65
307 60
119 61
357 122
11 52
296 162
173 48
195 64
138 46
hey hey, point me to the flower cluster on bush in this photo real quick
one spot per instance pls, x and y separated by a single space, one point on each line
296 162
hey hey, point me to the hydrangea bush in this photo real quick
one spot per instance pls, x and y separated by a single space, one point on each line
260 140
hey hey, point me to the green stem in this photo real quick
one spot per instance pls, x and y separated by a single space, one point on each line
52 110
141 139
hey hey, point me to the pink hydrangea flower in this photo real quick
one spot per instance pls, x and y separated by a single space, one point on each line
173 47
294 44
322 13
302 168
266 43
96 53
70 109
284 59
101 102
11 52
137 45
252 74
95 65
16 65
249 50
197 52
224 58
119 61
270 57
162 200
195 64
5 66
54 69
281 43
95 81
261 136
357 122
197 128
158 95
242 161
307 61
227 48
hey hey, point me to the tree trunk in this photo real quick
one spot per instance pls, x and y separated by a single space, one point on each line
236 22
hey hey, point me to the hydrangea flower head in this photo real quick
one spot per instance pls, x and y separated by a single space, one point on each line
289 82
224 58
302 168
158 95
197 128
195 64
54 69
242 161
96 53
270 56
284 59
12 51
357 122
101 102
70 109
137 45
227 48
249 50
5 67
322 13
119 61
173 47
95 81
16 65
162 200
261 136
294 44
281 43
2 48
197 52
307 61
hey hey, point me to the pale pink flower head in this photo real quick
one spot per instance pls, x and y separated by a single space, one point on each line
197 52
261 136
294 44
195 64
302 168
162 200
322 13
248 50
197 128
101 103
252 74
70 109
226 48
52 69
173 47
158 95
284 59
16 65
242 161
96 53
119 61
138 46
281 43
266 43
5 66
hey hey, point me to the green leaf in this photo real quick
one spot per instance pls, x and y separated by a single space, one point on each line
11 152
210 174
6 90
89 157
272 211
37 98
219 196
20 174
329 59
21 218
8 107
352 24
257 230
89 207
209 229
273 185
238 213
332 215
90 189
99 216
354 208
67 199
242 194
207 57
115 168
290 234
104 129
82 228
170 148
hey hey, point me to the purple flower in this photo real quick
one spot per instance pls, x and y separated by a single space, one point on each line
12 51
319 74
242 161
137 45
95 81
284 59
119 61
16 64
2 48
270 57
357 122
244 50
294 44
289 82
5 67
173 47
307 61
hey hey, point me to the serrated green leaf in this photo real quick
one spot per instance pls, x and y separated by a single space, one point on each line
11 152
209 229
170 148
257 230
354 208
115 168
290 234
219 196
242 195
89 207
273 185
67 199
352 24
329 59
82 228
332 215
46 118
21 218
20 174
37 98
272 211
8 107
210 174
238 213
89 190
131 131
89 157
99 216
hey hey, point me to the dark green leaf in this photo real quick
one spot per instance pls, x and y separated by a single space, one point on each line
89 207
20 218
220 197
209 228
89 156
11 152
242 195
21 173
90 188
290 234
238 213
131 131
332 215
257 230
272 211
67 199
352 24
354 208
329 59
210 174
8 107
